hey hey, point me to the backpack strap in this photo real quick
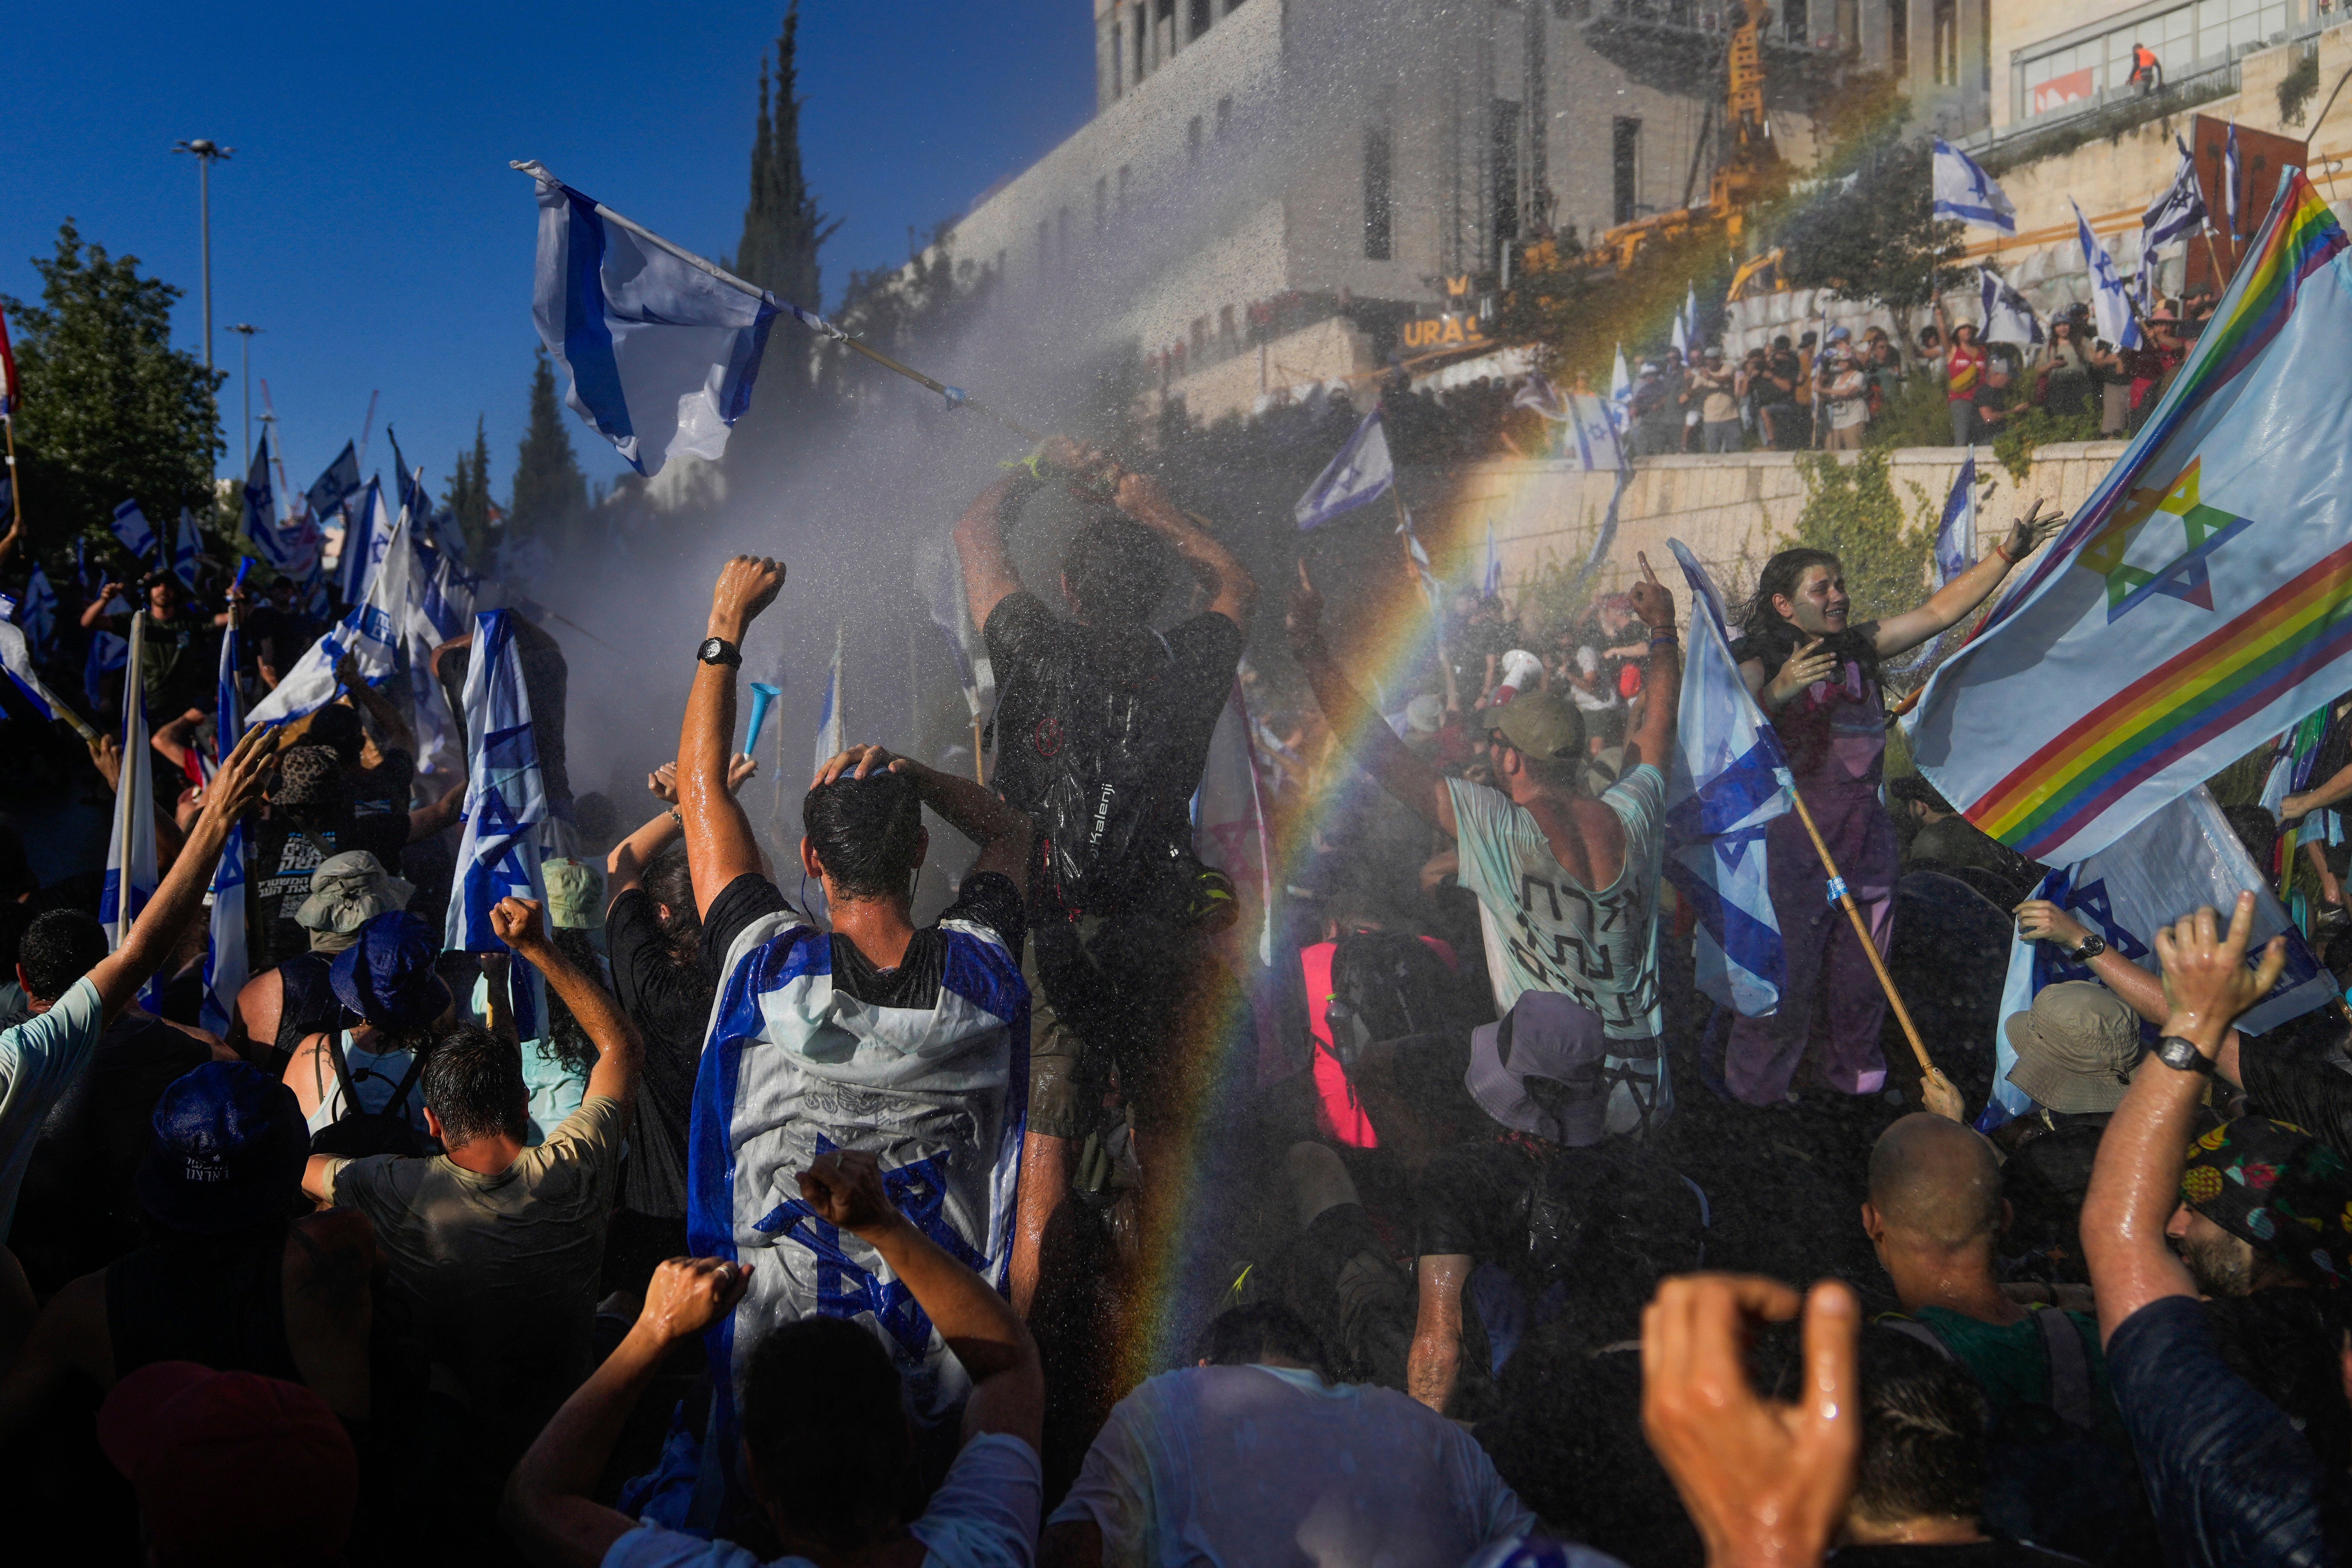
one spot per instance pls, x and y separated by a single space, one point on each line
2070 1368
342 1074
397 1105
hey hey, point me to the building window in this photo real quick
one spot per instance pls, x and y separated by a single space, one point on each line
1503 167
1200 18
1898 36
1102 205
1193 140
1625 168
1225 117
1379 236
1946 43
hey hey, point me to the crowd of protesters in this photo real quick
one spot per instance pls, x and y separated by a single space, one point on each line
841 1240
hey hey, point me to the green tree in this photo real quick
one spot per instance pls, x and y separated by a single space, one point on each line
468 495
550 495
112 410
1865 222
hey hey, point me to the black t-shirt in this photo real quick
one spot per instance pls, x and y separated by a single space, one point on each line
1479 1199
2229 1477
277 874
671 1008
2298 1073
180 666
384 790
1179 681
1998 1552
986 899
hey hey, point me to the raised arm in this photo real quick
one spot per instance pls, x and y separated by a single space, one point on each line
720 845
1232 591
1393 764
1001 832
1952 603
2136 1180
1662 687
232 792
2337 785
988 576
1008 1392
620 1049
391 724
95 610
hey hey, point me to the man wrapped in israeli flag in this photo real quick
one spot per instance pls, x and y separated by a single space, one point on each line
910 1044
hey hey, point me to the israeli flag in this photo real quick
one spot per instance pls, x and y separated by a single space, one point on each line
138 536
2182 855
1358 473
443 598
939 572
791 1069
16 659
2178 211
1956 548
505 803
366 537
132 875
2110 304
1965 194
108 653
291 548
1690 315
829 743
37 614
1594 431
661 354
1681 338
1537 393
2233 183
2008 318
225 958
1729 780
337 485
1491 585
370 633
1620 388
187 545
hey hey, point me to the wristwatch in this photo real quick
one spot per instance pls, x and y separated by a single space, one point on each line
2182 1055
718 650
2092 945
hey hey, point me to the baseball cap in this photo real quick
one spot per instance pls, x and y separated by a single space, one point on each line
1539 1069
348 890
228 1149
1841 335
386 976
194 1443
2076 1048
1539 723
575 894
2279 1190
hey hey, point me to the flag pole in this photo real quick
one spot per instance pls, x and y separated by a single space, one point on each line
128 809
15 484
978 755
1878 965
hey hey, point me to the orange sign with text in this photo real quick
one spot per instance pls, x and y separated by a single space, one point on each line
1454 329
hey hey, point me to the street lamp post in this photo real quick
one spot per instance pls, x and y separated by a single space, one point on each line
206 153
245 382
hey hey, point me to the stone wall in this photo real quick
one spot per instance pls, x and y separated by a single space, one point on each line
1730 511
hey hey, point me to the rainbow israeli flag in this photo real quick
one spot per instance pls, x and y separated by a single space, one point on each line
2201 600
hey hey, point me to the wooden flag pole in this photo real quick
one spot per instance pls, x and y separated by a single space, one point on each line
978 755
1878 965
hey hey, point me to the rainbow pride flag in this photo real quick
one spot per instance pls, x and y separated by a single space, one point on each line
2200 601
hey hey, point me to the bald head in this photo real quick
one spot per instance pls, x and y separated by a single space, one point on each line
1936 1182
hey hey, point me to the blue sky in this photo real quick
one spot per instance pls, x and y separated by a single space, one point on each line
369 224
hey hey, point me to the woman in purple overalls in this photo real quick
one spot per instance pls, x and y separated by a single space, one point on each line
1817 679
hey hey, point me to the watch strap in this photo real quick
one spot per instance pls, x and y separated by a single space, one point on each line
2181 1055
718 650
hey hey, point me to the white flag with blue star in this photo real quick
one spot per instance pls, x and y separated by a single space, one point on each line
1357 473
1965 194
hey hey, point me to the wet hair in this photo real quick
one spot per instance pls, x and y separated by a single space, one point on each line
668 881
1117 569
568 1041
827 1431
58 948
1241 1335
1912 786
2256 829
1924 1450
473 1082
868 832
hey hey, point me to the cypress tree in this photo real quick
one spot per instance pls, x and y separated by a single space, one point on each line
550 495
468 495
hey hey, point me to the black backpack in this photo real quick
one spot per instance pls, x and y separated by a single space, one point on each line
357 1133
1386 986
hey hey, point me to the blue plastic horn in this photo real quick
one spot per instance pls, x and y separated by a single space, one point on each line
763 696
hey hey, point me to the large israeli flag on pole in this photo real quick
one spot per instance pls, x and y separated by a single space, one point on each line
661 354
2176 214
227 959
370 634
131 874
2181 856
505 803
365 538
337 485
16 661
1965 194
1359 473
2110 303
1729 780
138 536
2008 318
